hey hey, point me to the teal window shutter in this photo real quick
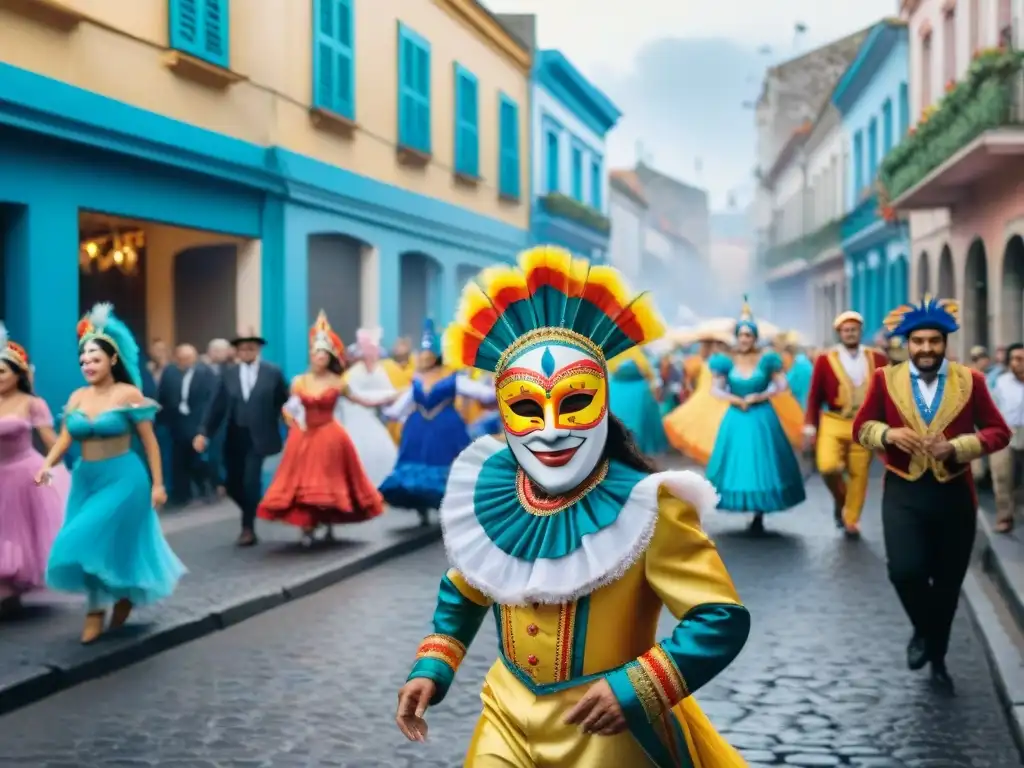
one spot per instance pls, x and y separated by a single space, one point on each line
413 90
551 160
596 187
467 123
577 174
201 28
858 167
333 57
904 110
508 142
887 128
872 150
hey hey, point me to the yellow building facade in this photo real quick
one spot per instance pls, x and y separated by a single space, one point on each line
264 159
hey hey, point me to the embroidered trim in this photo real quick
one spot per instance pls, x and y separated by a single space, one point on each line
508 639
643 686
665 677
967 448
564 641
544 507
432 413
549 334
443 648
870 435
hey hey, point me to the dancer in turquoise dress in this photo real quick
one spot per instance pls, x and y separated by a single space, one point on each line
111 547
633 402
753 465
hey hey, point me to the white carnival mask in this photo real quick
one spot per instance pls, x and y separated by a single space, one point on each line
553 401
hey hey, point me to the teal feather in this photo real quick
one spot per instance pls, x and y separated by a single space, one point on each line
105 322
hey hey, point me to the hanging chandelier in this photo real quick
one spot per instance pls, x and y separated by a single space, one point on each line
118 250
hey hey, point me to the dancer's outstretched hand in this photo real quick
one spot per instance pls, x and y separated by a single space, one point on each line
413 700
598 711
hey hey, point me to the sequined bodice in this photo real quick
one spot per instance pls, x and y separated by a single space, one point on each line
113 423
15 438
442 391
319 407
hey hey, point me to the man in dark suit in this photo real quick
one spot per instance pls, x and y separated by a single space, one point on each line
184 393
249 400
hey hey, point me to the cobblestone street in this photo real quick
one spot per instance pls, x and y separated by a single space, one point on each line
821 683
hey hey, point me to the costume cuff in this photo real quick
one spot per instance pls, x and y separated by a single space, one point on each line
870 435
649 686
967 448
438 659
810 430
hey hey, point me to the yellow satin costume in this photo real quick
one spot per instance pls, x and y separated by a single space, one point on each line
401 376
692 427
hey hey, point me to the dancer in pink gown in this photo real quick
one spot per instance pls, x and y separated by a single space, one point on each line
30 516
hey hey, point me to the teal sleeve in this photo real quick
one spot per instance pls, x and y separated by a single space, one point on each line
456 622
719 364
145 411
703 644
771 362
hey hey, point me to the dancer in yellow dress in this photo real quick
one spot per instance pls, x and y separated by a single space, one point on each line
693 426
566 533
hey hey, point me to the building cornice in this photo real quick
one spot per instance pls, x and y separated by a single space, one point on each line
480 20
878 45
908 7
588 102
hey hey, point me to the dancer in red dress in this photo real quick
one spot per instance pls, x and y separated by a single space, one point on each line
320 480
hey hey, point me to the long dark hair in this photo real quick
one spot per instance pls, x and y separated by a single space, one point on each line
117 368
334 364
21 374
621 447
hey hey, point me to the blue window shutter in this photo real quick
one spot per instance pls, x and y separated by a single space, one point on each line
333 57
904 110
413 91
467 122
595 185
201 28
577 174
508 144
552 161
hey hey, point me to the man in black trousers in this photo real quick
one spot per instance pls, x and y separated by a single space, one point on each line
249 399
184 393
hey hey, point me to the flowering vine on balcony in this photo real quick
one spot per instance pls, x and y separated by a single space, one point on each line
558 204
979 102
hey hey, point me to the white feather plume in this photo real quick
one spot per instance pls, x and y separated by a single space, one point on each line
100 315
4 338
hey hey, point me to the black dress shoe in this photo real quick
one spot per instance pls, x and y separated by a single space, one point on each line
247 539
917 652
941 681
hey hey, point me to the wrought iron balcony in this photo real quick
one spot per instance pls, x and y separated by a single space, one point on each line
805 248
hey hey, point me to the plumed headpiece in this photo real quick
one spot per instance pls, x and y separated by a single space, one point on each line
322 338
102 324
429 341
548 296
931 314
12 353
746 319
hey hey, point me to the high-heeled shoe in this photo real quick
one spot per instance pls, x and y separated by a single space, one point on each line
93 626
122 610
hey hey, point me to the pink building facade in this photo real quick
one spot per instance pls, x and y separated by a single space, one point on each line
960 175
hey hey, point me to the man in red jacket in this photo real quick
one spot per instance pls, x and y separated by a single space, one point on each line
839 384
931 417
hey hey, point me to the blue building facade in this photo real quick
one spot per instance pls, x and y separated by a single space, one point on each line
872 98
570 120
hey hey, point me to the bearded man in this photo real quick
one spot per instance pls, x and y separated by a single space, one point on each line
930 417
565 532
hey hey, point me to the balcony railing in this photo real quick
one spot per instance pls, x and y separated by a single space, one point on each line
566 207
807 247
987 98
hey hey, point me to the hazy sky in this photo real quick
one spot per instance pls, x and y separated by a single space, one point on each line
681 71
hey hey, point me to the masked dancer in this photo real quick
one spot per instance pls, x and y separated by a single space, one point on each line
366 381
321 480
839 384
693 426
111 547
632 385
30 516
566 531
753 465
931 418
433 433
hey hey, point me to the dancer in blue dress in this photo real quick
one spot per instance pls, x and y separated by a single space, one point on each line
111 547
433 434
631 389
753 465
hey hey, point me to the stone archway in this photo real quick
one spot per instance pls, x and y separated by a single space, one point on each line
419 293
975 319
1013 291
335 281
947 275
205 294
924 275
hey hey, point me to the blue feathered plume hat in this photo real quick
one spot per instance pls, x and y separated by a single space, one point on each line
429 341
942 315
101 323
746 322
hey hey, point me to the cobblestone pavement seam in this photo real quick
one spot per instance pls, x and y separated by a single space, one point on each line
29 684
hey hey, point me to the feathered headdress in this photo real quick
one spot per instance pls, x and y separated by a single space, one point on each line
322 338
935 314
101 323
746 318
429 340
14 354
549 295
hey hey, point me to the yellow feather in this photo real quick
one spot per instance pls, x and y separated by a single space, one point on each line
495 279
473 302
611 279
649 318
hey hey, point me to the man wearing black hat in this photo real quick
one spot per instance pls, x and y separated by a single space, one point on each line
250 397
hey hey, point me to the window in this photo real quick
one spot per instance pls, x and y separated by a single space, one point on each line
974 19
333 63
926 71
949 45
886 127
413 90
904 109
551 160
467 123
596 185
577 173
1004 22
858 166
872 150
508 141
200 28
